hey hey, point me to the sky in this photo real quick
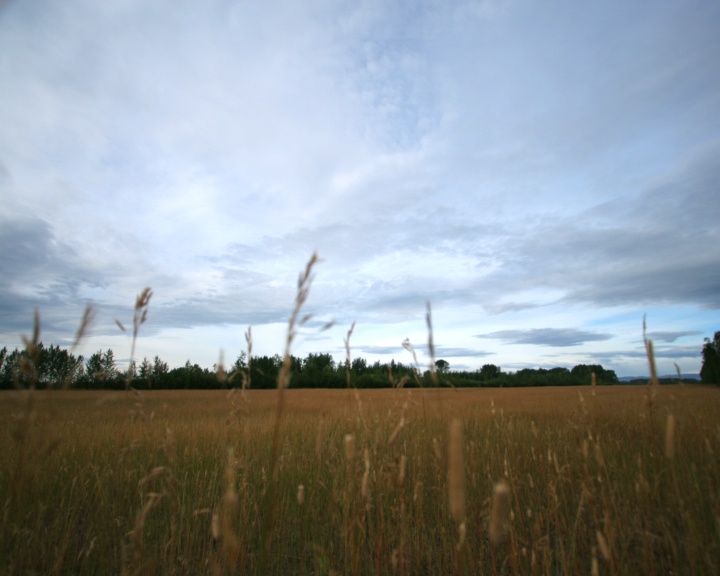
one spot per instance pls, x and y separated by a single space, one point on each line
544 174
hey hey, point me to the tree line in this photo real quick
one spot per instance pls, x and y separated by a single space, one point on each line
46 367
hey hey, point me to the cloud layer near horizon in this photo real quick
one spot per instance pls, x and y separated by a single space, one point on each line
544 174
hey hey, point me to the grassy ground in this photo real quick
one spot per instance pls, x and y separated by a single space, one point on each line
606 480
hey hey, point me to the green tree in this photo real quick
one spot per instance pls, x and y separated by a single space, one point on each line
93 366
159 367
442 366
132 371
160 374
559 377
193 377
359 366
319 363
57 366
101 365
3 356
710 371
145 371
39 367
489 372
238 373
583 374
240 364
10 369
264 371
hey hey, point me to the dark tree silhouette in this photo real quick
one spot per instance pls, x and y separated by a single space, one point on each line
710 371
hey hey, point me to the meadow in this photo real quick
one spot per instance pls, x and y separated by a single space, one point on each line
572 480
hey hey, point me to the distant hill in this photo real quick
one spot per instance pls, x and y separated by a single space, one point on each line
685 377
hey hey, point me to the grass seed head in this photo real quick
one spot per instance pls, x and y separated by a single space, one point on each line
349 447
594 564
365 487
602 545
500 512
401 471
301 495
215 530
462 533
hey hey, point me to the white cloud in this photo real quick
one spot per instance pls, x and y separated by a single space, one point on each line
513 163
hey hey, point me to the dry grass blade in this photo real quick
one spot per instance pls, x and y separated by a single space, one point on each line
246 378
650 354
230 503
303 289
141 308
36 331
347 355
456 471
410 348
142 301
431 345
136 535
679 373
651 360
654 382
220 372
88 318
32 349
416 365
670 437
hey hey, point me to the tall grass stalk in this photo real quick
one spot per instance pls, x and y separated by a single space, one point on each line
303 290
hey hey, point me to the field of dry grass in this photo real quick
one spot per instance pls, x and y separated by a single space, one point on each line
604 480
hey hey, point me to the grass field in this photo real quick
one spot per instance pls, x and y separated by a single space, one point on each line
604 480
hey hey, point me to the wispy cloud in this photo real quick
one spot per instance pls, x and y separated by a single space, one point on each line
440 351
671 336
547 336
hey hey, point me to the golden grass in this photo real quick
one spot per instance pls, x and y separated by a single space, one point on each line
177 482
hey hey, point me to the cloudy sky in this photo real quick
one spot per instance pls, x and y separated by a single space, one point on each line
543 173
